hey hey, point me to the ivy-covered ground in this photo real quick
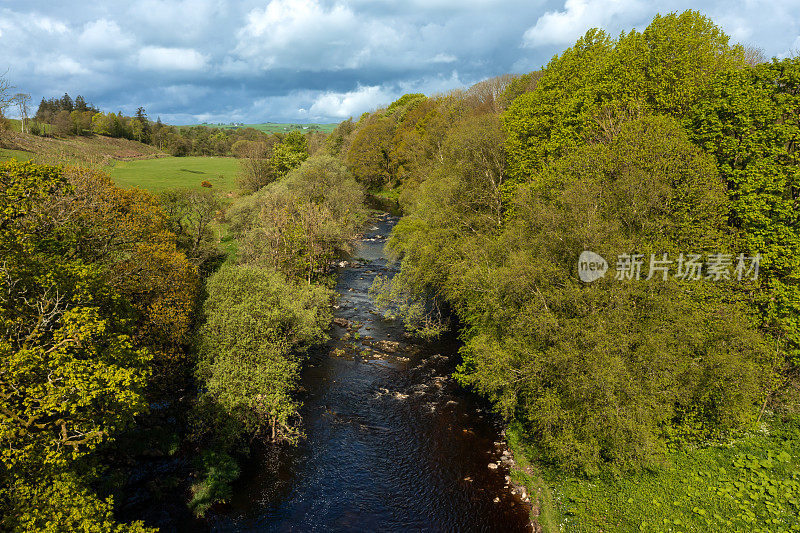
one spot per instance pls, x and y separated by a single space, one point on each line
749 484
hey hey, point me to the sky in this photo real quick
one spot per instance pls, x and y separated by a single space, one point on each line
192 61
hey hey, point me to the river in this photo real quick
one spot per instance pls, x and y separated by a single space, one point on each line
392 443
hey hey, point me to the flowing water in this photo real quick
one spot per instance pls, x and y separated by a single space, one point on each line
392 444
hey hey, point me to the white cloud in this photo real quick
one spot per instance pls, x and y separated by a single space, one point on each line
260 60
60 66
104 35
352 103
304 34
444 58
565 26
170 59
185 21
49 25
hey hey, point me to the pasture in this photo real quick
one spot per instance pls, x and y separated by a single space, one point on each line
163 173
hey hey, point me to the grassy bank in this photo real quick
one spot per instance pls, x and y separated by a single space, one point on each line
19 155
177 172
751 483
95 151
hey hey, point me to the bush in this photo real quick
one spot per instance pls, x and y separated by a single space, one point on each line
299 224
257 326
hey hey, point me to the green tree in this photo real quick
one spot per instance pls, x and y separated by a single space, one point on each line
75 352
257 326
368 155
191 213
749 123
598 83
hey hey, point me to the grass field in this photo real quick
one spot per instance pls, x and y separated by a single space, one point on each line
275 127
19 155
176 172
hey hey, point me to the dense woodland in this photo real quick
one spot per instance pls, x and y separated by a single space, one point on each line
671 140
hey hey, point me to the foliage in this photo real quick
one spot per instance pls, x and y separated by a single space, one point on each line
751 484
263 162
299 224
95 295
219 470
257 325
63 504
403 104
749 123
368 155
576 362
191 214
596 83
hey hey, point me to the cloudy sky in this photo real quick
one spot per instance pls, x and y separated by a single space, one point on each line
316 61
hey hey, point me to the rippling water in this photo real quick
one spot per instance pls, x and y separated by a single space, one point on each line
392 444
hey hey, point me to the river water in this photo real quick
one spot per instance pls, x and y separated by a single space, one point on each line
392 444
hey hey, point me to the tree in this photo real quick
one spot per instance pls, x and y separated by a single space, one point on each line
298 225
254 323
94 294
601 374
255 166
368 155
5 100
257 326
70 374
22 101
141 126
63 124
80 104
191 213
664 69
749 123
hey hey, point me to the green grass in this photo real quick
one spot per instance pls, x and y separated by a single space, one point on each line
387 193
19 155
275 127
749 484
176 172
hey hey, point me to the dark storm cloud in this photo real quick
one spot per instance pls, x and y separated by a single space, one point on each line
304 60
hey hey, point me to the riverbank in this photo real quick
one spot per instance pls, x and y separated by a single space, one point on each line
750 483
392 442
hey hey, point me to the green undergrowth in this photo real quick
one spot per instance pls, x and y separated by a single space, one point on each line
749 484
387 193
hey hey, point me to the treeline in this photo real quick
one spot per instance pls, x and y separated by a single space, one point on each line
670 141
49 108
65 117
264 309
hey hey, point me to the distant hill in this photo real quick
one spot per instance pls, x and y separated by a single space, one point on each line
276 127
95 151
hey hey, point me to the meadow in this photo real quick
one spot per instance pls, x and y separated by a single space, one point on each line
176 172
19 155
